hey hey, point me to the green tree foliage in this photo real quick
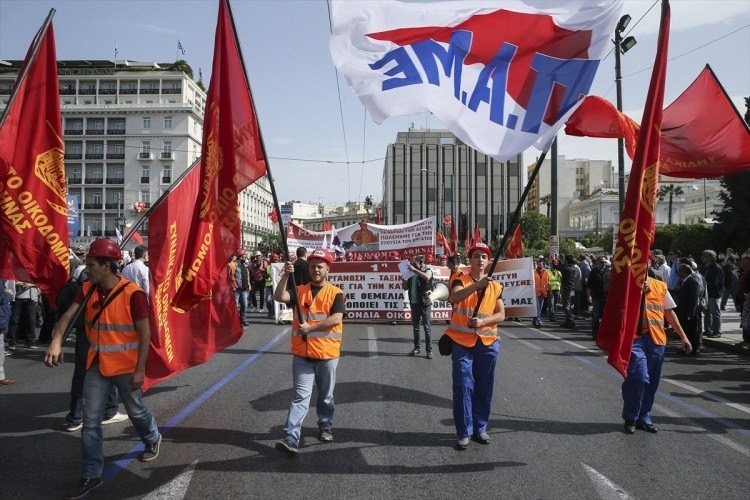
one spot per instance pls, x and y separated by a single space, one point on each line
271 242
669 191
182 65
535 229
689 239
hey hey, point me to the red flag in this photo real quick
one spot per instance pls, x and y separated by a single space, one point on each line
477 235
33 224
515 249
454 239
326 225
136 237
232 158
716 144
274 216
636 231
180 340
440 240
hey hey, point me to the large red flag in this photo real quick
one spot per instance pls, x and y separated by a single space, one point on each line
232 159
515 247
703 134
180 340
636 230
33 219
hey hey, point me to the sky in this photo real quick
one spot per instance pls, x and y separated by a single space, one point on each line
321 144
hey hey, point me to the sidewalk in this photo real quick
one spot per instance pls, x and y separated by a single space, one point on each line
731 334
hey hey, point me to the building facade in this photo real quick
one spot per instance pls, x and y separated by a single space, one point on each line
130 130
430 172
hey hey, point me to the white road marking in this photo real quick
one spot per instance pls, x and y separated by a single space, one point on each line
372 342
606 489
716 437
177 488
718 399
524 342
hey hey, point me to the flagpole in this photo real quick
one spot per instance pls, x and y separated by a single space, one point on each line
514 220
27 63
282 233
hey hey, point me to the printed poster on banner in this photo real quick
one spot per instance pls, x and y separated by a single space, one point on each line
376 242
374 290
297 236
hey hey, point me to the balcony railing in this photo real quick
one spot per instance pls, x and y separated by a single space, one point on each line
94 180
128 91
94 156
145 156
113 206
166 155
90 205
166 180
73 131
67 91
149 91
116 131
145 180
107 91
171 91
73 156
115 156
94 131
86 91
74 180
115 180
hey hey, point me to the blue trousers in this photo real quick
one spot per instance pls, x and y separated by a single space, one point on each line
642 381
421 313
473 383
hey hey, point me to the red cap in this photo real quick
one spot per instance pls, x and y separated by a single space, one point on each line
104 247
273 257
320 254
480 247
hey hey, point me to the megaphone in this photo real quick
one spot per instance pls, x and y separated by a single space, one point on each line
439 292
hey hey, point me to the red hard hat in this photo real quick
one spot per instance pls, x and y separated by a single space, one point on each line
240 253
106 248
480 247
320 254
273 257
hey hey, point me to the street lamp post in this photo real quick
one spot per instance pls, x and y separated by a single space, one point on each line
621 46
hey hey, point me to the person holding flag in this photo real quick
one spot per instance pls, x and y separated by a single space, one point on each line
478 309
316 345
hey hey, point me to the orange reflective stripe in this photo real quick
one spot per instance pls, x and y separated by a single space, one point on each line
459 329
317 345
653 314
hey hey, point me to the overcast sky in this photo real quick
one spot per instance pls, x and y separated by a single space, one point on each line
294 82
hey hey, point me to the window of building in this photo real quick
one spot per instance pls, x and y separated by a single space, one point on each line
166 175
145 147
145 172
96 198
167 148
97 173
167 122
146 122
146 196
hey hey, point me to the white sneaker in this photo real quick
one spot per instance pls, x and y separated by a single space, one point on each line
117 417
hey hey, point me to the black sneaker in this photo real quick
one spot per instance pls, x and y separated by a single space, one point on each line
415 352
151 451
325 436
85 486
287 447
428 355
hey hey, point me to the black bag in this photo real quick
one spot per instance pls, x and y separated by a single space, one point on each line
445 345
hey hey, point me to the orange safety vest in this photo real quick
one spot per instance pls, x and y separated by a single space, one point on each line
316 345
113 336
541 283
459 329
652 321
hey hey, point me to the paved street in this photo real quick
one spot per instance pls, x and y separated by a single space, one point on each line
555 427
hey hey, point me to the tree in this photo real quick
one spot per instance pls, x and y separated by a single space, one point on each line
670 190
182 65
271 242
546 200
535 229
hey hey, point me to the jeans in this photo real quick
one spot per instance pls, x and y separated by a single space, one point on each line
242 296
540 300
473 384
2 355
96 387
728 292
420 312
597 308
23 316
639 387
75 415
258 287
568 298
270 305
712 317
304 373
554 298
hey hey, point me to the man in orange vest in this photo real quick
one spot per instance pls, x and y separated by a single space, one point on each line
476 346
117 328
316 345
541 289
647 355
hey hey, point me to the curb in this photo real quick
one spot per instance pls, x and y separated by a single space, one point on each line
743 349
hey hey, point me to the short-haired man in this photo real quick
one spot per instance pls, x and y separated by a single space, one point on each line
714 275
137 270
476 346
118 331
317 330
418 286
301 267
